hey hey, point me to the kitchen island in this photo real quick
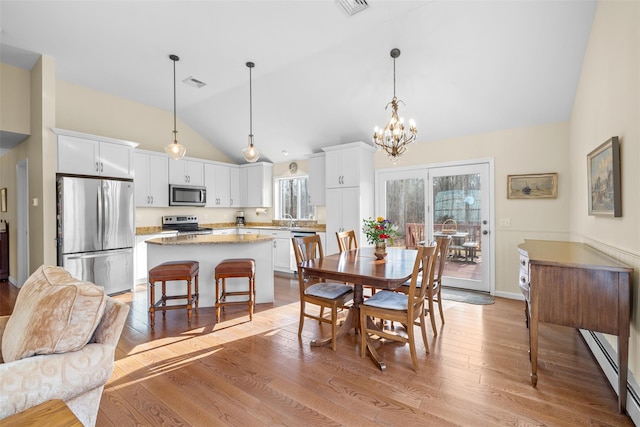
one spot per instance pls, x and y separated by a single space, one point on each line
209 250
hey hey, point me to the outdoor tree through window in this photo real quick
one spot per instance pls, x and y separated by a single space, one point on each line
293 198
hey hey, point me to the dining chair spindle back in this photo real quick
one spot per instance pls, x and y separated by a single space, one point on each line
433 293
346 240
317 291
401 308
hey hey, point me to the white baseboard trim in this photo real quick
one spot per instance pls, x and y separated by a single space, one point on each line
509 295
607 358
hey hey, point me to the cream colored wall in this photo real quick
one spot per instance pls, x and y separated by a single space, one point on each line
42 165
39 149
538 149
607 104
85 110
15 100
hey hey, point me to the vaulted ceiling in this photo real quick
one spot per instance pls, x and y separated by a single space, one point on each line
322 77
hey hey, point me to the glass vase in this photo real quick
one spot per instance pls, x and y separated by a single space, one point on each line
381 249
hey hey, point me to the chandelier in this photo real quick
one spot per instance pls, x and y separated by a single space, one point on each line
175 150
394 138
250 153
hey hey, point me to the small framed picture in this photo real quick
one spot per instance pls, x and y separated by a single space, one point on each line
603 174
532 186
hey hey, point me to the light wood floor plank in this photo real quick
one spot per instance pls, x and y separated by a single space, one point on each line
261 373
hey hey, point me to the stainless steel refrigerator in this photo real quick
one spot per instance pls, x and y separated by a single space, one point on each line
96 234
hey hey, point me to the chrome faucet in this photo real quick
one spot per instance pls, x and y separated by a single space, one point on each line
290 218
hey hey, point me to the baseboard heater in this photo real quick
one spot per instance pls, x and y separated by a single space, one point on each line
606 356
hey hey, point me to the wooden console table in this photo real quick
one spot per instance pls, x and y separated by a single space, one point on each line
572 284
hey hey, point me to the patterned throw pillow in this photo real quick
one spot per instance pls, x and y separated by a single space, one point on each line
53 313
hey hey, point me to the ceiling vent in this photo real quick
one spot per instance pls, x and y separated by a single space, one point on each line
191 81
353 6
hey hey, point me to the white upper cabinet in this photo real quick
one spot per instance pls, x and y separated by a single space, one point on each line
256 185
234 187
345 164
349 194
151 179
84 154
217 179
186 172
317 179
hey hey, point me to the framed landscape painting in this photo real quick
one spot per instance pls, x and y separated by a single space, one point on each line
603 173
532 186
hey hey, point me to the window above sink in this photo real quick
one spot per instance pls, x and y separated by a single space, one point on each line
292 201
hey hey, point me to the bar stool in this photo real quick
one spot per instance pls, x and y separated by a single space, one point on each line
237 267
173 270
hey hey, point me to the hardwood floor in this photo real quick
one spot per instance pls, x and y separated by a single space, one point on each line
259 373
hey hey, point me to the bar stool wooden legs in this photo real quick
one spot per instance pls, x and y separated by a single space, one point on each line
238 267
174 270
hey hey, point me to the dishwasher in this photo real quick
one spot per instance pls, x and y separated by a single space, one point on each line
298 233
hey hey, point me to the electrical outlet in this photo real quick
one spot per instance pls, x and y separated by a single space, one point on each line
505 222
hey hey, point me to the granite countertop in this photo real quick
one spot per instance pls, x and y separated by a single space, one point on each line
209 239
277 227
141 231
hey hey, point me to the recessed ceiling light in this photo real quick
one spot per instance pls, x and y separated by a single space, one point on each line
285 152
192 81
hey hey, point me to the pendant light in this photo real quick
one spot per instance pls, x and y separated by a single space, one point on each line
175 150
250 153
394 138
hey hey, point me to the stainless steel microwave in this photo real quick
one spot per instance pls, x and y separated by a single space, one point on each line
183 195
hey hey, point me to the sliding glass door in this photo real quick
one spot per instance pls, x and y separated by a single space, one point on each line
404 198
430 202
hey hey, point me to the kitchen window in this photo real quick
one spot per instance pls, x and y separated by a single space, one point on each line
292 198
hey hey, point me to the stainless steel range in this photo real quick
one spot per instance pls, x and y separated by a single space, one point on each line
184 224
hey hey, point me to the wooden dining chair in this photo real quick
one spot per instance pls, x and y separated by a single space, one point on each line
436 294
316 291
433 293
414 235
346 241
399 307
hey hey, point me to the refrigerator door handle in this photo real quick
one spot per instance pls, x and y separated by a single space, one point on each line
100 206
89 255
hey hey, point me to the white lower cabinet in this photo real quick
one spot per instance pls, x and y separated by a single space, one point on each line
282 249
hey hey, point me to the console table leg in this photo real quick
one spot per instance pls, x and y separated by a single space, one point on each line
623 356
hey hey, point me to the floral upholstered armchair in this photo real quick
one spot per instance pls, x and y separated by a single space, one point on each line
59 343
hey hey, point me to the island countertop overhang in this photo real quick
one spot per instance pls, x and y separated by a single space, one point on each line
210 239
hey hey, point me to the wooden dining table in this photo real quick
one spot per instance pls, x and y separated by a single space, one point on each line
360 267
